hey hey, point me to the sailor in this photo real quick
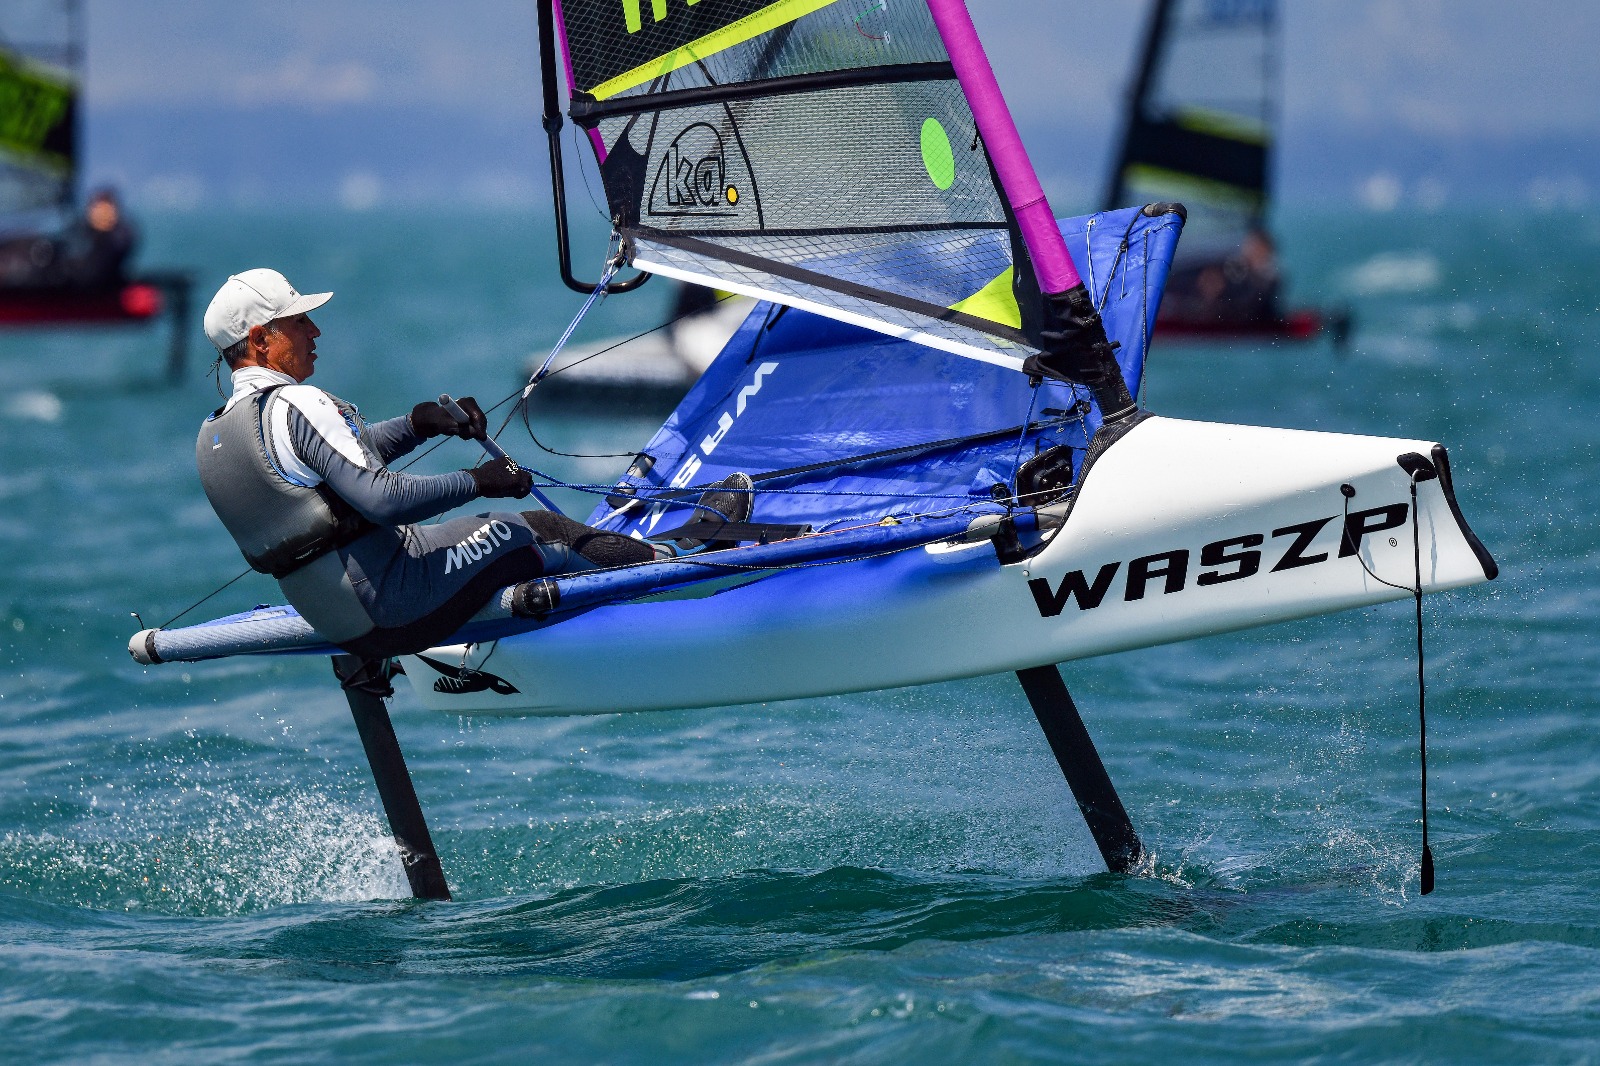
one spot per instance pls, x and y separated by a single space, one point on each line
91 255
303 484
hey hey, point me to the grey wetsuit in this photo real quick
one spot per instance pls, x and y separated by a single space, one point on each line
400 587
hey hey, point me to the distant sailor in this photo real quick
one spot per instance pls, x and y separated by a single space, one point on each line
91 255
303 485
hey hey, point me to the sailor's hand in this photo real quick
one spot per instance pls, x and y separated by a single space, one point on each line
431 420
501 478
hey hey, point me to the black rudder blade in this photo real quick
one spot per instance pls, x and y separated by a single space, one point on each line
365 684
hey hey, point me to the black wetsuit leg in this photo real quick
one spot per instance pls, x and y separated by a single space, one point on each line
429 584
595 545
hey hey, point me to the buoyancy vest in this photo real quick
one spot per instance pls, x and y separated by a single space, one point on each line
279 526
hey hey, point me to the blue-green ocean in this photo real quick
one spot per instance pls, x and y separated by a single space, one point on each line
194 866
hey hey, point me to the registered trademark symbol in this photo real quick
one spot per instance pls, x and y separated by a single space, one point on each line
1393 543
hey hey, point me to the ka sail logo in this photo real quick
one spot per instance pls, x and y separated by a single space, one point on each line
697 176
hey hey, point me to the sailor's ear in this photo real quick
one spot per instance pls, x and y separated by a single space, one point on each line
258 339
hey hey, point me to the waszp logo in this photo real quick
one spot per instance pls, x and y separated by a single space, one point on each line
1232 559
477 545
686 473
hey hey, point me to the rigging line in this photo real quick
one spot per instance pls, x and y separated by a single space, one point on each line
605 351
204 598
1144 324
715 564
686 497
1022 438
1422 684
613 264
905 449
583 171
526 412
1348 491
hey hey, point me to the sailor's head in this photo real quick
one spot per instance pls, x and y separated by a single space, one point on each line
1258 250
102 211
258 319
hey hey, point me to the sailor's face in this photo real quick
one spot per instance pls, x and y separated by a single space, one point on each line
292 346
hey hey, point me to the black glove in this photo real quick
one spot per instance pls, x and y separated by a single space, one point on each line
431 420
501 478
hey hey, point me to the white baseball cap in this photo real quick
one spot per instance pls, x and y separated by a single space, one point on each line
254 298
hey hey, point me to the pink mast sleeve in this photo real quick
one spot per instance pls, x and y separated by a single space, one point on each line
1052 263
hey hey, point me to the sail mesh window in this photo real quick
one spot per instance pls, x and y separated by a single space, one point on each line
815 153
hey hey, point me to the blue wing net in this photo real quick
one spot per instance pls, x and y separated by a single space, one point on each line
794 390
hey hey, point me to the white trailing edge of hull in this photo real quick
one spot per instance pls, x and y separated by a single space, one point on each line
1180 530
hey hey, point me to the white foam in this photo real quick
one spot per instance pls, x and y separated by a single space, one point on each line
1394 272
35 406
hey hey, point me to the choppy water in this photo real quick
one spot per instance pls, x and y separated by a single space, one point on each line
193 865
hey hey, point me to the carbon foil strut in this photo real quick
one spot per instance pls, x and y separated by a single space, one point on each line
1086 775
366 685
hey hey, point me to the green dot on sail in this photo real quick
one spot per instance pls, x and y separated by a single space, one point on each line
936 154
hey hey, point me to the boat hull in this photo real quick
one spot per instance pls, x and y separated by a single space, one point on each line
1180 530
1301 324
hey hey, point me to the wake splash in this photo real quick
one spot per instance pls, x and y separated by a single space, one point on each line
244 855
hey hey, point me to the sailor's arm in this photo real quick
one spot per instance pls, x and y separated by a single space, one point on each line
382 496
395 437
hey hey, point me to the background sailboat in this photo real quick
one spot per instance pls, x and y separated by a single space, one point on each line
49 275
1200 128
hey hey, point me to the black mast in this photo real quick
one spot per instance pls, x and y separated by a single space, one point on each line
1154 38
552 128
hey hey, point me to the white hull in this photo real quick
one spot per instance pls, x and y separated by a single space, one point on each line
949 611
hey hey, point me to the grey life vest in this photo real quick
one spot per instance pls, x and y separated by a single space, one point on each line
278 525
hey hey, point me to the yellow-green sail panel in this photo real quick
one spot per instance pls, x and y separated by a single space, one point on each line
751 26
996 302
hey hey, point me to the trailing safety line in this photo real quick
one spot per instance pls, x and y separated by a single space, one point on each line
1422 691
1348 491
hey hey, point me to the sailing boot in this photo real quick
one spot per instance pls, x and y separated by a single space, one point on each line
728 502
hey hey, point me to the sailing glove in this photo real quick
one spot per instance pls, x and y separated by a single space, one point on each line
499 479
431 420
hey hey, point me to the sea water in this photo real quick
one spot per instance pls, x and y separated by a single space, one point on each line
194 866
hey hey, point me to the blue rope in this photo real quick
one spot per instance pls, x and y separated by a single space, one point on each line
1022 438
599 291
551 482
